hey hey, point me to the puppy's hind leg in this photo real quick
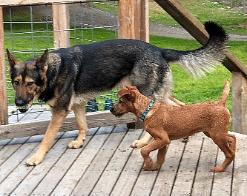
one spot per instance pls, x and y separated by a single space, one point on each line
227 143
80 116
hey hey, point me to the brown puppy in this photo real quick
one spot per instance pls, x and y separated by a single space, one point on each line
166 122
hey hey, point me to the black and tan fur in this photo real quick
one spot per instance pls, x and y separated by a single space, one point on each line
67 78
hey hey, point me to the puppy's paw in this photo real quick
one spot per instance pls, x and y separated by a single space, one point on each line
138 144
34 160
75 144
148 165
217 169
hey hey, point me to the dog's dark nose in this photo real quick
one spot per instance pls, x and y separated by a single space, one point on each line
19 102
111 110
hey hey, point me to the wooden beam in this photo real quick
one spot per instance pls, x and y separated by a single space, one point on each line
94 119
133 19
126 19
29 2
61 24
3 92
196 29
239 103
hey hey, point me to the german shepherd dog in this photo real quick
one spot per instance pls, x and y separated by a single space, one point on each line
67 78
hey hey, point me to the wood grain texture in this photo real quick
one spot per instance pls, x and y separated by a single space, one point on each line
60 13
239 103
94 119
3 91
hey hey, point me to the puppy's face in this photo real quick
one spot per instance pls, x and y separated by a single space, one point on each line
27 79
126 101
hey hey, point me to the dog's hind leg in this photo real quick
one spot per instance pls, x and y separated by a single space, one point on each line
227 143
54 125
80 116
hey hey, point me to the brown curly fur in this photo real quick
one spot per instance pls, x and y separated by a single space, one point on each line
166 122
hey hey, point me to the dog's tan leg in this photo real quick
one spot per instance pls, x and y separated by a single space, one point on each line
227 143
50 134
158 143
80 115
142 142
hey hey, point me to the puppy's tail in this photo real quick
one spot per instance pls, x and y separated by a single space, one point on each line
202 60
226 90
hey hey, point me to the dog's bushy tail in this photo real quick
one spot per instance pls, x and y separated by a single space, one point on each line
202 60
226 90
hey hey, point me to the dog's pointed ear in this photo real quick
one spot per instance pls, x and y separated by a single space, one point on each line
42 61
11 59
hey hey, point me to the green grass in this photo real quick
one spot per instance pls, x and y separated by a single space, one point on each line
233 21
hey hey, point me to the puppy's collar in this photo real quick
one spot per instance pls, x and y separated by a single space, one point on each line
149 107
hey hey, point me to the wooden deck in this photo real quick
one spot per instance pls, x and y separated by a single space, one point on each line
106 165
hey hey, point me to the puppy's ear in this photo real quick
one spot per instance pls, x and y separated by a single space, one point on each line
122 92
41 62
128 93
11 59
131 96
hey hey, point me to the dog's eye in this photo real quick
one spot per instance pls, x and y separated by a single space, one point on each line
16 82
30 83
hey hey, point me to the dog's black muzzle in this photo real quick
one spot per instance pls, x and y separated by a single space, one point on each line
22 105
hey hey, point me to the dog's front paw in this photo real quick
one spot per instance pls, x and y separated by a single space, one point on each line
75 144
34 160
138 144
217 169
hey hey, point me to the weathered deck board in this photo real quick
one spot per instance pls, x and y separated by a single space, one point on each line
106 165
58 169
167 173
145 180
19 173
114 168
129 174
17 157
222 181
13 146
98 165
73 175
187 167
204 178
239 186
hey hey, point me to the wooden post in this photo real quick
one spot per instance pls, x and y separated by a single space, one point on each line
239 103
3 92
133 19
61 25
126 19
133 24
